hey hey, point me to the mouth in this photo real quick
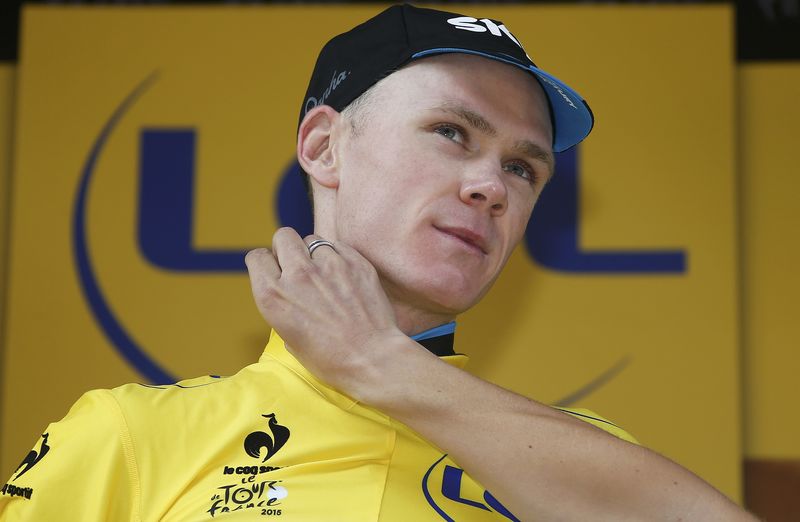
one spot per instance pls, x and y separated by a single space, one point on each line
467 237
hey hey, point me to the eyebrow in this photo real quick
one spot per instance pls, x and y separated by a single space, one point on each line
481 124
535 151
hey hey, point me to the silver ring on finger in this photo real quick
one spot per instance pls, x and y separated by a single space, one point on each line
319 243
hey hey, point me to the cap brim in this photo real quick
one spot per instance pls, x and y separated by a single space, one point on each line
572 118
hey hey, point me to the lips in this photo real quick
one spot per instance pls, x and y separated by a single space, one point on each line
470 237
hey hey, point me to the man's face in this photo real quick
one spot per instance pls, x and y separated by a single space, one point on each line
437 184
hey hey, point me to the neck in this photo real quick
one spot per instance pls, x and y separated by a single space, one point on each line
412 319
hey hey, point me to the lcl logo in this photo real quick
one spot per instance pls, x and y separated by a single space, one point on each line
167 159
165 225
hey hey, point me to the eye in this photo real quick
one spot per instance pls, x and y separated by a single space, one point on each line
450 131
520 169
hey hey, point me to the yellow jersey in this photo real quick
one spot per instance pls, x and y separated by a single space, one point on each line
270 442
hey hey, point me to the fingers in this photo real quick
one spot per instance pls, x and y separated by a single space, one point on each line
292 253
289 249
262 262
339 249
319 248
264 273
345 253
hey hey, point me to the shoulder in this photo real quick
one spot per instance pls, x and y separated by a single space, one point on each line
194 389
90 442
143 390
201 403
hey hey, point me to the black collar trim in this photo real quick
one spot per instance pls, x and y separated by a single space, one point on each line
440 346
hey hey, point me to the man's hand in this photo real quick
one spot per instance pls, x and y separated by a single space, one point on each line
541 464
330 309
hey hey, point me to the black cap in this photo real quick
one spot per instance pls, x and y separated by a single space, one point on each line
354 61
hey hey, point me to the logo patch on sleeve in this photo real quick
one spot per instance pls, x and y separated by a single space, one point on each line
31 459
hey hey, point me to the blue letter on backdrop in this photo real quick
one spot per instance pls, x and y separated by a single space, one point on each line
552 234
166 203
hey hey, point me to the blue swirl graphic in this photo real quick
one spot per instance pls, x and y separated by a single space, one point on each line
110 325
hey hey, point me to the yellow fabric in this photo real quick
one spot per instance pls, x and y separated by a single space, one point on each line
179 453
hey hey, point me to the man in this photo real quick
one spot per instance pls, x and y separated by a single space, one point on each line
427 138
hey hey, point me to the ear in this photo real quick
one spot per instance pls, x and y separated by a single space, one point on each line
316 140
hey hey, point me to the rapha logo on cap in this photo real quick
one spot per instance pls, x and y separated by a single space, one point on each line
336 79
558 88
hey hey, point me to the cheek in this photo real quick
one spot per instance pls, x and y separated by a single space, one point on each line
372 199
520 209
390 173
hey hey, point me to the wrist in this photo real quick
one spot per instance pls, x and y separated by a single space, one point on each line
386 371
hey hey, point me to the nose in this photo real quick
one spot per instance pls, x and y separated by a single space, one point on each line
486 188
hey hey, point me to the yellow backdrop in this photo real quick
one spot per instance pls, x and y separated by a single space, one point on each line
7 80
657 174
770 127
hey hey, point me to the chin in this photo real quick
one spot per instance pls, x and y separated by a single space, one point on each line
450 295
444 289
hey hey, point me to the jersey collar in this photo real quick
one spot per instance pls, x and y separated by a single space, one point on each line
438 341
